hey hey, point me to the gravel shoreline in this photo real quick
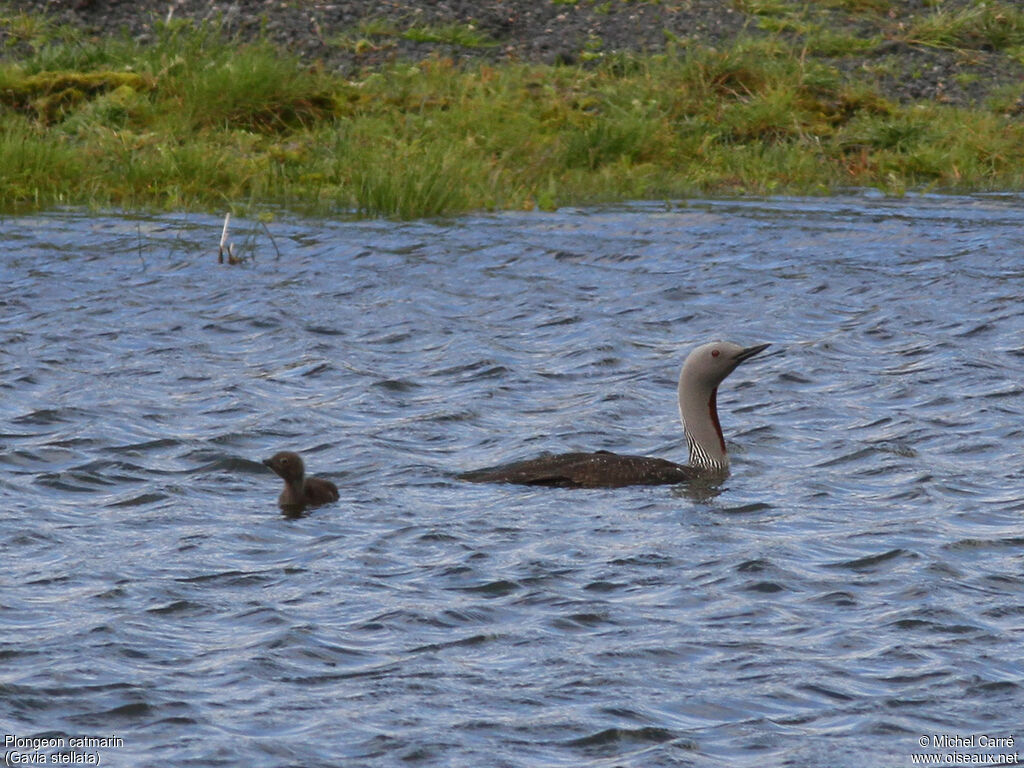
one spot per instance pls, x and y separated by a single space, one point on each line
553 33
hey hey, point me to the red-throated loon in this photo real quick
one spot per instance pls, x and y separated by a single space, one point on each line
300 491
703 370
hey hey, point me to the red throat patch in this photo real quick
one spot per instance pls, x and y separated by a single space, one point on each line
713 413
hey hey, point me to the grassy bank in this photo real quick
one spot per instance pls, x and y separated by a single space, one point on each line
194 121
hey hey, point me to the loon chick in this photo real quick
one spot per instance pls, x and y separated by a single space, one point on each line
300 491
703 370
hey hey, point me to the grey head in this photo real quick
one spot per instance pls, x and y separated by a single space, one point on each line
703 370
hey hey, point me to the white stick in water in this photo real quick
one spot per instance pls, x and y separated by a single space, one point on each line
224 234
224 239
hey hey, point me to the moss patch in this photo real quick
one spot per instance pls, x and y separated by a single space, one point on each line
51 96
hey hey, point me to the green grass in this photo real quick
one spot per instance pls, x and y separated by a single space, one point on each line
984 24
995 25
374 33
196 121
465 35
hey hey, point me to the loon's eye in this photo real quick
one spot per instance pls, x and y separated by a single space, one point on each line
715 353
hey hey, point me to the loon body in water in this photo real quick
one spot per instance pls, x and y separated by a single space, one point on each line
703 370
299 491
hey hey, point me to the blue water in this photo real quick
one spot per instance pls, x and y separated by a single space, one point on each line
856 586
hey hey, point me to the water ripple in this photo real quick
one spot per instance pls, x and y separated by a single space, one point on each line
855 584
